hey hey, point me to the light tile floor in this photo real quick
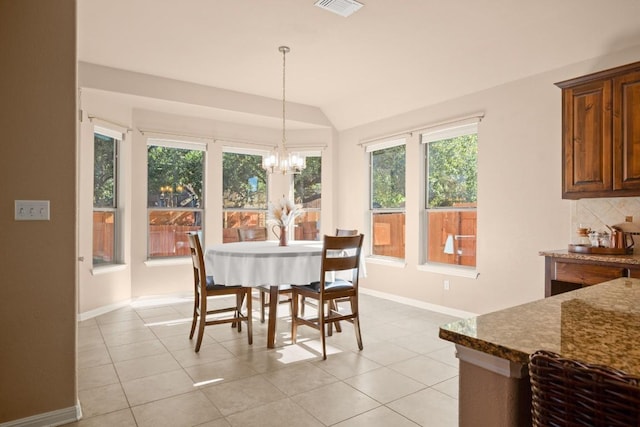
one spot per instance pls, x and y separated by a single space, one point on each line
137 367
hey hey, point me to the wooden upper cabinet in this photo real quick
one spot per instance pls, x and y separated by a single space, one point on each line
626 132
601 134
587 138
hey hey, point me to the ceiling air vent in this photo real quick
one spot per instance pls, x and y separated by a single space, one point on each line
341 7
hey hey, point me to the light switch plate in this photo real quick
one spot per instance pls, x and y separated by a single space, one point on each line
32 210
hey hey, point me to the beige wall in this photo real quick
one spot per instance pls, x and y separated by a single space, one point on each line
102 288
38 161
520 210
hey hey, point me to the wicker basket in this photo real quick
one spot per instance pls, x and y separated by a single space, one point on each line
568 393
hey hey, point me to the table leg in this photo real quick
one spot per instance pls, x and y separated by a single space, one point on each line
273 315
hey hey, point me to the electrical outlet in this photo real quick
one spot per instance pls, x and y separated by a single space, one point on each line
446 285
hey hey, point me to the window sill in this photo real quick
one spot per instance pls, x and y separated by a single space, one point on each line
398 263
106 269
163 262
470 273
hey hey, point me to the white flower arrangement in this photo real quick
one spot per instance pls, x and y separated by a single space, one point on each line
283 212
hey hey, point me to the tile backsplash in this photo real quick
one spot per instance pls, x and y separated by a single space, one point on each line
597 213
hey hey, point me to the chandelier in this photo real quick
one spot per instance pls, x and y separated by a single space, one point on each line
280 159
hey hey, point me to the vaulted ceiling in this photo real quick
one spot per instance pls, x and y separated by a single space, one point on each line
390 57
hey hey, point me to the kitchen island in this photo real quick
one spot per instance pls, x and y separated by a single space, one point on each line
596 324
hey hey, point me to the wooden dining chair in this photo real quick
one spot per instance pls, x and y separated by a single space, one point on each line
570 393
339 232
338 254
345 232
204 287
252 234
259 234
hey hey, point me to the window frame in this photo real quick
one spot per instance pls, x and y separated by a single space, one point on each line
449 130
184 145
303 210
370 150
116 209
264 212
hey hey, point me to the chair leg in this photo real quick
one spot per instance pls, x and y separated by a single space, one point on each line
334 306
356 321
330 304
249 317
294 317
203 320
239 301
196 300
302 307
263 301
356 326
321 323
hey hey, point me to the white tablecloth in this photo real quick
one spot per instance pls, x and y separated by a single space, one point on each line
264 263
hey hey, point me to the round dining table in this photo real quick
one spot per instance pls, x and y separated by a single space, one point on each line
265 263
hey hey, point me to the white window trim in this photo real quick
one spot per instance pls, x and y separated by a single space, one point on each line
449 270
451 130
388 261
108 132
370 148
185 145
242 150
250 152
309 153
107 268
381 145
118 211
447 130
173 143
165 261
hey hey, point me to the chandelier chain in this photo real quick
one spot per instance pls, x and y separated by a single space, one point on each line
280 159
284 50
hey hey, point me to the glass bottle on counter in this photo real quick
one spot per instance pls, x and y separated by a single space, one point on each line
582 236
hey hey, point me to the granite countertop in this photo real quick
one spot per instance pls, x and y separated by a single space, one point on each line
597 324
618 259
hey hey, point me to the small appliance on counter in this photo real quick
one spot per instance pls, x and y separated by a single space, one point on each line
620 242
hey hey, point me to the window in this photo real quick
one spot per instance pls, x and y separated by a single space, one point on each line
244 193
106 219
451 159
387 164
307 193
174 195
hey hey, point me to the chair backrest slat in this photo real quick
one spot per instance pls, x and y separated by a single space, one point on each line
199 273
341 254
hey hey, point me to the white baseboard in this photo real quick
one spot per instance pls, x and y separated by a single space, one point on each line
48 419
420 304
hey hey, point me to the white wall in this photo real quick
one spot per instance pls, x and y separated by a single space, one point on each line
520 210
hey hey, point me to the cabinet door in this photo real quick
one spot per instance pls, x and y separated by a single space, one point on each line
626 131
587 139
